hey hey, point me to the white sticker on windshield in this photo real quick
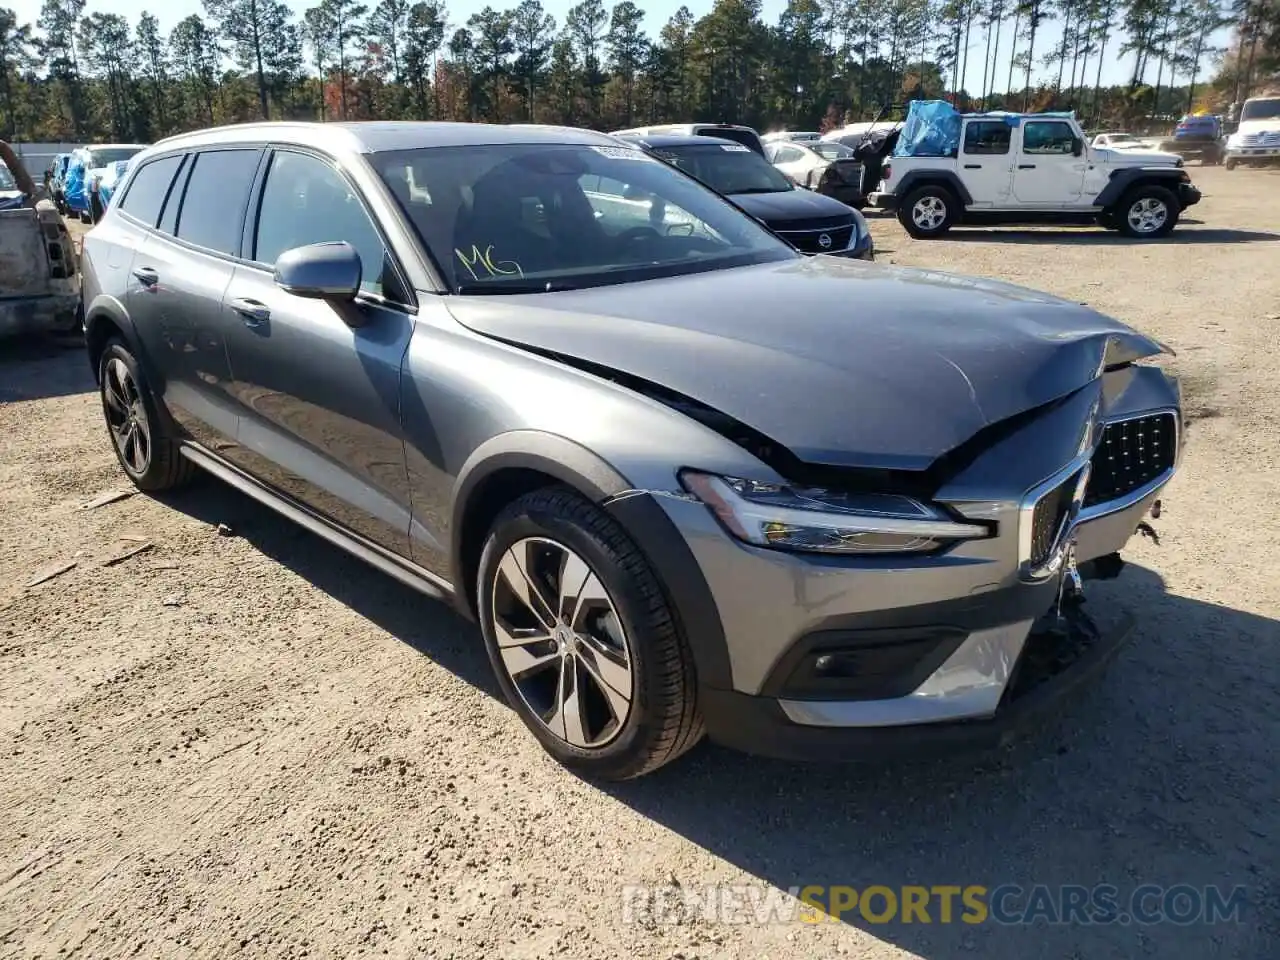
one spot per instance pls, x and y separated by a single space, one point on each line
622 153
734 148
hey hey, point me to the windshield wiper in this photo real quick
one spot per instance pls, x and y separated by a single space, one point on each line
512 289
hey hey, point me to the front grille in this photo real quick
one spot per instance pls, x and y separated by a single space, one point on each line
1047 518
1131 455
810 241
1269 138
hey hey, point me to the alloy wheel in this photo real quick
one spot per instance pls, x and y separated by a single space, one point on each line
561 642
1147 215
929 213
126 416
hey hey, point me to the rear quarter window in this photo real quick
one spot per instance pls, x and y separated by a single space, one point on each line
149 187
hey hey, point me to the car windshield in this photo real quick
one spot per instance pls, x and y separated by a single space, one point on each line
727 168
831 150
105 156
530 218
1261 110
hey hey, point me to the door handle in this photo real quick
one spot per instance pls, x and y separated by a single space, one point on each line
1026 166
253 313
147 276
973 166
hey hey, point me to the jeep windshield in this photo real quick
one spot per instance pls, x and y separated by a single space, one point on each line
1268 109
531 218
727 168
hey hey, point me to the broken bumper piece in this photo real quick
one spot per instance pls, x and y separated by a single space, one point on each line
1062 651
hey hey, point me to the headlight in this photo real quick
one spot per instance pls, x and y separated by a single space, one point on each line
786 517
1233 140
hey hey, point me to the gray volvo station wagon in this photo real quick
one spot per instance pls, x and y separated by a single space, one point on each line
687 480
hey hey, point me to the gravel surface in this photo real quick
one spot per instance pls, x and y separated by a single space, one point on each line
247 743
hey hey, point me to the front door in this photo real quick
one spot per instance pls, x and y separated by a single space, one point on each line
986 162
318 383
1048 173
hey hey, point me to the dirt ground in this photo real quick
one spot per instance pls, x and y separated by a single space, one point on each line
250 744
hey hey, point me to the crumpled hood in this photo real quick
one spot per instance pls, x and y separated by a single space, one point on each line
779 209
843 363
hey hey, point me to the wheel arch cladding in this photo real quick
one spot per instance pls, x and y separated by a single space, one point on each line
914 179
512 464
1124 179
505 468
105 318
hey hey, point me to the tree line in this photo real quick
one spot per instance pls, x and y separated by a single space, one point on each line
81 75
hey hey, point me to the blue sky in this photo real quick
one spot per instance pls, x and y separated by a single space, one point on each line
658 12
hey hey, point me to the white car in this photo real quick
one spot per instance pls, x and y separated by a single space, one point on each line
799 135
1014 168
1120 141
1257 140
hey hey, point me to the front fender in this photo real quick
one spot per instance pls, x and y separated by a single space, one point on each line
1125 177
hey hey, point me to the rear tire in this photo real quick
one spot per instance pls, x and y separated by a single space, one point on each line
143 435
554 638
95 208
928 212
1147 211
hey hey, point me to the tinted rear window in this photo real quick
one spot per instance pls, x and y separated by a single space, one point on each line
149 187
216 193
744 137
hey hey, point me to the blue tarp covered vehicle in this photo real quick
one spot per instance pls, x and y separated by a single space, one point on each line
110 180
75 185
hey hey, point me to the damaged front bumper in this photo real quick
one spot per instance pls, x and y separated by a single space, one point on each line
830 658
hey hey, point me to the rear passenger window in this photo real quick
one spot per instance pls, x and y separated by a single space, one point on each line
214 199
149 187
986 136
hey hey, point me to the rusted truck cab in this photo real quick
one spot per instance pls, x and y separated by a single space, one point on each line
39 268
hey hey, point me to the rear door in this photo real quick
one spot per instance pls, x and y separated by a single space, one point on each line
986 161
178 275
1048 173
319 382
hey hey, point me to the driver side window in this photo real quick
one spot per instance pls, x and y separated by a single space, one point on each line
306 200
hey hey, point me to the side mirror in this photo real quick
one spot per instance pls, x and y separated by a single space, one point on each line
320 271
1077 146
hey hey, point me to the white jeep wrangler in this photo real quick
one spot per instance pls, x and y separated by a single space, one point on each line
1010 168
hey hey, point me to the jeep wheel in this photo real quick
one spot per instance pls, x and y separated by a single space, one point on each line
1230 163
928 212
1148 211
95 208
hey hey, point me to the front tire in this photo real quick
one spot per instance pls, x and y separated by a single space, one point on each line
928 212
1148 211
1229 163
142 434
582 639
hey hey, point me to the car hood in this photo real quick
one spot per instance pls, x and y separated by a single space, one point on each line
843 363
1136 157
792 206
